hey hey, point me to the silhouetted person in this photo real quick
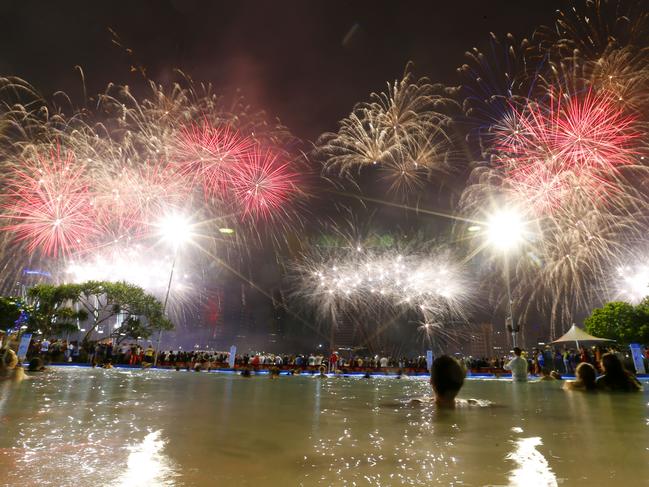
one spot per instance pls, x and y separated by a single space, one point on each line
585 378
446 378
616 377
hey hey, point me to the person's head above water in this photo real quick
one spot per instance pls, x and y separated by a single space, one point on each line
616 377
447 378
612 365
586 374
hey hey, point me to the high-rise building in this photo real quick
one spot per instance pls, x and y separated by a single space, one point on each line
481 340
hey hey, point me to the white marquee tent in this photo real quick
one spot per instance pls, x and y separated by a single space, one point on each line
577 335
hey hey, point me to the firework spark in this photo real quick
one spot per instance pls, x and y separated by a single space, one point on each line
402 131
361 280
633 283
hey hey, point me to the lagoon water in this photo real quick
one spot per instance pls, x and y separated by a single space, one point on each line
88 427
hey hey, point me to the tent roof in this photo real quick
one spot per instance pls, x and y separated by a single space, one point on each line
575 334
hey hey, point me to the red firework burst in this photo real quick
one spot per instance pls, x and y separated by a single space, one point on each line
263 184
208 154
549 150
48 204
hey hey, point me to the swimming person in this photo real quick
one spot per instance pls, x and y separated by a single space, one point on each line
518 366
9 366
546 375
36 365
616 377
446 378
586 379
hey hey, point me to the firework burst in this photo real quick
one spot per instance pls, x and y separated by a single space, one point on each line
47 204
402 131
632 283
549 152
211 154
368 282
263 184
124 162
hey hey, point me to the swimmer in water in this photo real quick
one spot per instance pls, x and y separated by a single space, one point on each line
36 365
9 368
446 379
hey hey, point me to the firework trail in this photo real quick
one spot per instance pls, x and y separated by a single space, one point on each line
402 131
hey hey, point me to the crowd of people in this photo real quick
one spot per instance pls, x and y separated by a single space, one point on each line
547 360
447 378
597 371
546 363
137 354
333 361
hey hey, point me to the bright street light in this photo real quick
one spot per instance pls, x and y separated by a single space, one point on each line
175 229
505 229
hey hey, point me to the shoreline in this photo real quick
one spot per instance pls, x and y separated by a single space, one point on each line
312 373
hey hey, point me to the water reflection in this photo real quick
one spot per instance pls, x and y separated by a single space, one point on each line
532 467
304 431
147 464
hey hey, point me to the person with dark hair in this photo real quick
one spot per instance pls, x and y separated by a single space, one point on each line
446 378
586 377
518 366
615 377
36 365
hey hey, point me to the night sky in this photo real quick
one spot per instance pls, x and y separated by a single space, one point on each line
306 62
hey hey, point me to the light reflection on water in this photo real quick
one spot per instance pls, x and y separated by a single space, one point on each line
83 427
147 464
531 466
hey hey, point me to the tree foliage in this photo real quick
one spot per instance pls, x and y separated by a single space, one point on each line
620 321
10 309
52 310
95 303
